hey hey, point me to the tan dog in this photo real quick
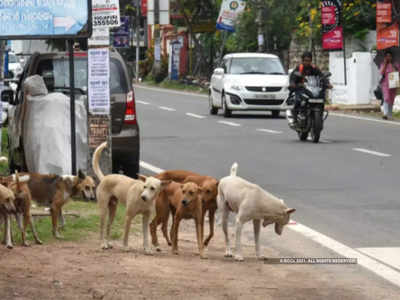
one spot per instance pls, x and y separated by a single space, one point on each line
250 202
55 191
138 196
22 202
208 184
186 203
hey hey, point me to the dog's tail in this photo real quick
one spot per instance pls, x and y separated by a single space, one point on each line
96 161
3 159
234 169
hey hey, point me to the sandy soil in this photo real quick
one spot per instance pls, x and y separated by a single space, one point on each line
67 270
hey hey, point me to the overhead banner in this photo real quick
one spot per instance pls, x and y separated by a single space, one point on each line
45 19
332 33
383 12
230 10
387 36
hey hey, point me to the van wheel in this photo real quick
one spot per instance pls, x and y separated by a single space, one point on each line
227 111
213 109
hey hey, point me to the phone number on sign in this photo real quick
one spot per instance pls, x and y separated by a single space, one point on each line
105 20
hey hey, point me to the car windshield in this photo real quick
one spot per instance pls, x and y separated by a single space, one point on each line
256 65
55 73
12 59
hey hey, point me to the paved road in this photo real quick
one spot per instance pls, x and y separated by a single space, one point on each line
346 187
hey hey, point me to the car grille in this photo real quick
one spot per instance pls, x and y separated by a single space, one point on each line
260 88
263 102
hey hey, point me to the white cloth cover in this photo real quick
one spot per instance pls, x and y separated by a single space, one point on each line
47 130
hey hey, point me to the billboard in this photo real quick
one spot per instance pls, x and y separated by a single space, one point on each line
230 10
41 19
332 32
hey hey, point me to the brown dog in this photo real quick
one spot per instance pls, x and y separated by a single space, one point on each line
55 191
186 203
7 207
209 186
22 202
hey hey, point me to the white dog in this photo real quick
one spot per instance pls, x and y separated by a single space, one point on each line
138 196
250 202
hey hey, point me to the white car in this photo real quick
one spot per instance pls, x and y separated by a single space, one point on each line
249 81
14 65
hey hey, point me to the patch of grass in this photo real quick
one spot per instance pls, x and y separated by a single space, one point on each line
76 228
4 150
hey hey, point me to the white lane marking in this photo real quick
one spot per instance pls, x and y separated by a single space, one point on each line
169 91
371 264
364 119
269 131
167 108
142 102
372 152
195 116
150 167
229 123
387 255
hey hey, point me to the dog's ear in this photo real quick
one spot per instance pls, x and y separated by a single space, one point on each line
290 210
142 177
81 175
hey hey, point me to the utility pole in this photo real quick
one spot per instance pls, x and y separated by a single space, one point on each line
157 47
137 22
259 21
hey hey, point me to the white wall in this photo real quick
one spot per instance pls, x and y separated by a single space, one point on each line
362 78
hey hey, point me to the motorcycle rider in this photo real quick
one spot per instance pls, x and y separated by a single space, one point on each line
308 73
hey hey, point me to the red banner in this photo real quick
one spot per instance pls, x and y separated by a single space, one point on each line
387 36
383 12
328 15
333 40
144 8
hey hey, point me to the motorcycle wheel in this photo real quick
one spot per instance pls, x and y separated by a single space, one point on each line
317 127
302 135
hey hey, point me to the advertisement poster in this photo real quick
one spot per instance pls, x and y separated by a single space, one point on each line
121 36
387 36
383 12
333 40
43 18
99 81
105 13
230 10
332 32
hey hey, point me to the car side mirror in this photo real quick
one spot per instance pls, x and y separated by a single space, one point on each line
219 71
7 96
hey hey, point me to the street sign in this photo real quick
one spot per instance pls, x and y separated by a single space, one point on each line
45 19
106 13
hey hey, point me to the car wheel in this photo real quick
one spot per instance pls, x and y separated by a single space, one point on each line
227 111
213 109
275 113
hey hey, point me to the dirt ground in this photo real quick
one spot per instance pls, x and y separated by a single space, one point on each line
70 270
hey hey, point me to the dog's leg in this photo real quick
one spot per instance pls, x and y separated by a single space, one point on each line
171 232
61 219
174 234
54 210
153 231
164 227
238 251
9 244
225 215
257 226
112 209
128 221
199 224
103 216
22 224
34 232
145 224
211 219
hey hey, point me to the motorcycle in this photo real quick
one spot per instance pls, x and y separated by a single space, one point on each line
309 100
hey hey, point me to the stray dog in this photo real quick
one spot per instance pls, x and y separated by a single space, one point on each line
186 203
250 202
209 186
138 196
55 191
22 202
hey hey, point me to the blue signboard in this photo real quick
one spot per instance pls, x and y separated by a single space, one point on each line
39 19
121 36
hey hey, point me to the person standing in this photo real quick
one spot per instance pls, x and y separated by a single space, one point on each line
387 67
